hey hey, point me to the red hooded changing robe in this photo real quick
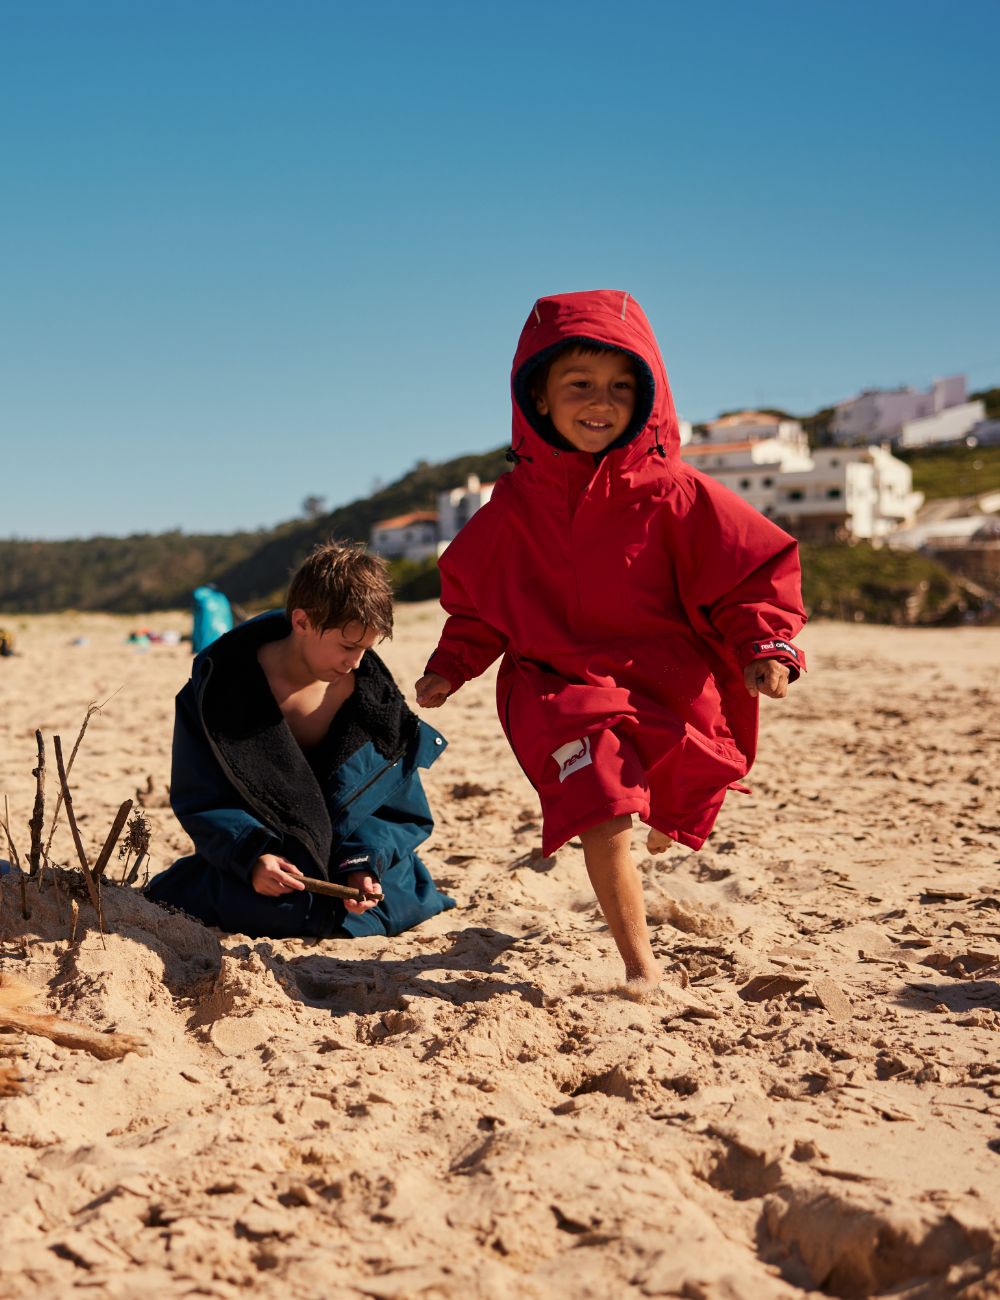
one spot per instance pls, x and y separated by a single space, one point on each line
626 593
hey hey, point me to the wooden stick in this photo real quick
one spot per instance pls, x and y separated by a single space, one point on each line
133 875
91 710
95 897
337 891
16 996
38 812
116 829
15 861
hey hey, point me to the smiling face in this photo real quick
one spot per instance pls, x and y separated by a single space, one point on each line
589 397
332 653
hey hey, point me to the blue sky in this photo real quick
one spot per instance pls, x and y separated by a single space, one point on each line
253 251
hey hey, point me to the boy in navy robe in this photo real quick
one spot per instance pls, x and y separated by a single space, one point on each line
295 756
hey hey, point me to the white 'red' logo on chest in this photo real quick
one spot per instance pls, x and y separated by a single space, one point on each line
572 757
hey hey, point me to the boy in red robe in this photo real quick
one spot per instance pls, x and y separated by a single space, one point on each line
640 606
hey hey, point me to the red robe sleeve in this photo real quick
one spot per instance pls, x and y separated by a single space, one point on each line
739 573
468 644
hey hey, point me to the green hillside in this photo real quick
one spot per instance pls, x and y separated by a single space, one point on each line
954 471
148 572
145 572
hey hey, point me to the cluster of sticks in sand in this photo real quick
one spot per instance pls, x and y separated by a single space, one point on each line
810 1102
41 872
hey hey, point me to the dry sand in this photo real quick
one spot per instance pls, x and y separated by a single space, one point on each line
473 1109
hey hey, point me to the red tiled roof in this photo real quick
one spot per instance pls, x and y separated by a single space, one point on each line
714 448
744 417
403 521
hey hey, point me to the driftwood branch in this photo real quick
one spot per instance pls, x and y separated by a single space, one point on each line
37 821
95 897
117 826
337 891
107 1047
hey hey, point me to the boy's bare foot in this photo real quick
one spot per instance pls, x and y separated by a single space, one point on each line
641 983
657 842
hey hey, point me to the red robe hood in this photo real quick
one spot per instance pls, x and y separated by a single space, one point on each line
614 318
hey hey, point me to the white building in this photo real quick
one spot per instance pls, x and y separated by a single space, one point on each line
756 426
863 493
411 537
943 534
748 451
834 493
880 415
424 533
950 425
457 506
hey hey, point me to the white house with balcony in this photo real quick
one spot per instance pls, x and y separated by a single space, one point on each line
832 493
756 426
862 493
750 469
423 533
906 415
748 451
413 536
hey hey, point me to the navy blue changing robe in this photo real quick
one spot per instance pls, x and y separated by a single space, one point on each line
241 786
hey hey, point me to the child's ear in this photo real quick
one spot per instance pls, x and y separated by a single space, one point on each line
541 403
300 620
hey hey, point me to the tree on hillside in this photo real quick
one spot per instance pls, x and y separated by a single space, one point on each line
990 398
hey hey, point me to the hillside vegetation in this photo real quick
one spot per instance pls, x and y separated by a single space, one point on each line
954 471
148 572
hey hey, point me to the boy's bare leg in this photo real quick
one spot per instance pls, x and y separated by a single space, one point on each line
657 842
618 886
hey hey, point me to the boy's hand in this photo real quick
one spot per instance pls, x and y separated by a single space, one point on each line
361 880
273 876
432 690
766 677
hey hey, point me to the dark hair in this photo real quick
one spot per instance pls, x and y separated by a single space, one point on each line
340 583
538 375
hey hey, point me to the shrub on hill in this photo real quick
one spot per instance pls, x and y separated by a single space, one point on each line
859 583
954 471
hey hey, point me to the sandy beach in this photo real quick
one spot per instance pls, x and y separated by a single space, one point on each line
809 1103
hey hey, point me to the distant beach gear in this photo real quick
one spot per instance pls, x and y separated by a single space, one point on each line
6 643
213 615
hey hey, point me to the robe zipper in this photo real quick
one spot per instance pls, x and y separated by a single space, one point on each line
371 781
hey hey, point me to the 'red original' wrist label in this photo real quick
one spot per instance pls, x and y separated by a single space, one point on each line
769 647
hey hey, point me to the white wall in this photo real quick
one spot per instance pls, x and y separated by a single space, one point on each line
457 506
946 426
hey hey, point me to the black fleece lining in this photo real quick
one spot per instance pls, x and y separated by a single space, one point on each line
251 737
542 424
375 712
246 726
